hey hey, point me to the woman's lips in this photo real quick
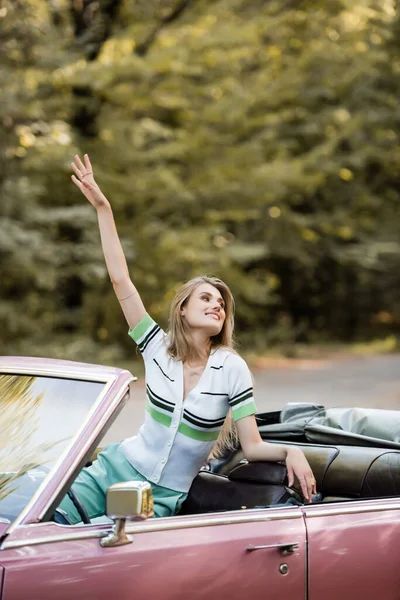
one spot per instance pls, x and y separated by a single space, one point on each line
211 314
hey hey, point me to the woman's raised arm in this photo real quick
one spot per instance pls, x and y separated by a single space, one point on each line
128 296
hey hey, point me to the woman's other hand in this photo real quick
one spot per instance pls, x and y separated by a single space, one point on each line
85 181
297 466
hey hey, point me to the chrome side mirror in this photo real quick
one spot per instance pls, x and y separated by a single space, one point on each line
131 500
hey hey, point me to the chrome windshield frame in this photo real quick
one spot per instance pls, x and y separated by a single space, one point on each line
71 371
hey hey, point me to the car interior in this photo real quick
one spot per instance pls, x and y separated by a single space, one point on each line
342 473
354 454
363 467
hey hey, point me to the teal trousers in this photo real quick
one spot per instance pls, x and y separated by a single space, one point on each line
110 467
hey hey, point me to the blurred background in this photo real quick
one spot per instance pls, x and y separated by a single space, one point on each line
254 140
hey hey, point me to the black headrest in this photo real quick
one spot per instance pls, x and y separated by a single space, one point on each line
213 492
210 492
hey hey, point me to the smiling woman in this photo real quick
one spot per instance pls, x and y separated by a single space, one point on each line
193 379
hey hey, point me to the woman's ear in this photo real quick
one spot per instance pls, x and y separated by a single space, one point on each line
183 308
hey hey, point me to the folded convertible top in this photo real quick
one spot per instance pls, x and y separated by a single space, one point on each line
299 421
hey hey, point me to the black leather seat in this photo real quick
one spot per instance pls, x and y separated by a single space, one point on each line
342 472
383 476
247 485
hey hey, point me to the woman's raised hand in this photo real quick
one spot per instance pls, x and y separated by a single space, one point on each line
84 180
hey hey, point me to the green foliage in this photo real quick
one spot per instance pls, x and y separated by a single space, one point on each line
256 141
18 422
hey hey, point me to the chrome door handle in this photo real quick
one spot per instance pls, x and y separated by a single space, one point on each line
284 549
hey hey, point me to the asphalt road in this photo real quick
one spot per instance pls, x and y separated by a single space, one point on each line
366 381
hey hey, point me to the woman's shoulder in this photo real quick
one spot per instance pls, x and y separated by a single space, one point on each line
230 358
149 337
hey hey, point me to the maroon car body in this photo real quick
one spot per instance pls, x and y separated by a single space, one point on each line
341 549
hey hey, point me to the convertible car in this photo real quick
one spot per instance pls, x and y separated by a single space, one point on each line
242 532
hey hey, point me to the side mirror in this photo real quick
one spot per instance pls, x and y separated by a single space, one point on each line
127 500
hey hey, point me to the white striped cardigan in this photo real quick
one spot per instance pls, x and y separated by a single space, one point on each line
178 434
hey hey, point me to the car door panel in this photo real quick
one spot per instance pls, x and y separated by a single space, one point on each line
168 559
353 550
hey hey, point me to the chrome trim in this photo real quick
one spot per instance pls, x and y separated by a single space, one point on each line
307 575
228 519
284 548
114 404
108 384
310 513
65 373
283 569
150 526
10 545
61 458
171 523
117 536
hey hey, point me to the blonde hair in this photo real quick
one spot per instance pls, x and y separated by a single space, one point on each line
181 343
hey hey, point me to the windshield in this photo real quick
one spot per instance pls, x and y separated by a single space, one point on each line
38 418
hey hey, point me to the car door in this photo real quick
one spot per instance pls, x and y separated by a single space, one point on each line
171 558
353 550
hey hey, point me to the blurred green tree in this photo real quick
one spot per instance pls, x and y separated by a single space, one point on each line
258 141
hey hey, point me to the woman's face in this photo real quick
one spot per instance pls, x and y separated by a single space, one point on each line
205 309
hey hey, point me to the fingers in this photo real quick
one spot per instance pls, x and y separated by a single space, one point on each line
297 465
309 490
77 182
77 171
80 169
80 164
81 184
308 486
312 484
83 170
88 163
304 488
290 476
